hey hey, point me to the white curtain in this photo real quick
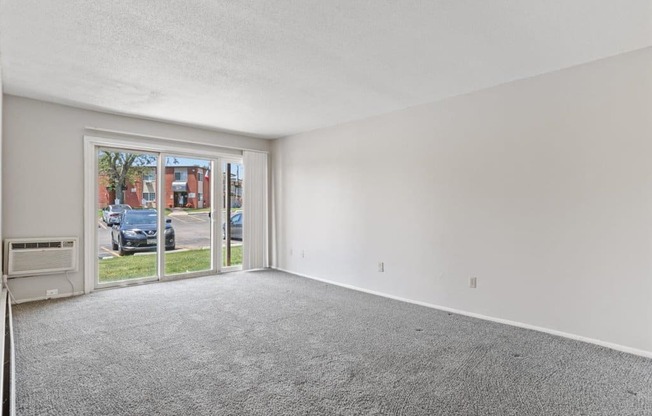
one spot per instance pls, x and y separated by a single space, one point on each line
255 216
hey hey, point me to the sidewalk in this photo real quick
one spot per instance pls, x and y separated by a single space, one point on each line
177 211
184 211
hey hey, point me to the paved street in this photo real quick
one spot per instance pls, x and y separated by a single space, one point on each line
191 231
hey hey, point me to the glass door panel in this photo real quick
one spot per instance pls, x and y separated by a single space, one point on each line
126 219
232 204
188 223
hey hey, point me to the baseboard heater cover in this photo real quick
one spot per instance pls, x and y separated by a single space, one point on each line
8 359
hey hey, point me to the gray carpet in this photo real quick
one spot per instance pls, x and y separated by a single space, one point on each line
269 343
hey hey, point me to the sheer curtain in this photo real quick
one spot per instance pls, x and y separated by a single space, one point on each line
254 226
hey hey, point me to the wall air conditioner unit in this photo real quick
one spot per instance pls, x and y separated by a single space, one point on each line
36 256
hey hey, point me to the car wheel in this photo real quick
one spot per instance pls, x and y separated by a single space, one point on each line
121 250
114 245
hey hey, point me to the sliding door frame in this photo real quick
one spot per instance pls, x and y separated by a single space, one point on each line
161 149
225 216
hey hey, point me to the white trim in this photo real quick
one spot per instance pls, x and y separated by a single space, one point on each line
215 183
126 282
230 269
12 358
90 216
188 275
175 147
617 347
3 311
60 295
161 159
168 139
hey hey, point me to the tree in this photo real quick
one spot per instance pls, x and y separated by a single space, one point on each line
121 168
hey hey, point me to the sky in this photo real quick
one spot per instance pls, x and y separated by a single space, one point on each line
182 161
237 170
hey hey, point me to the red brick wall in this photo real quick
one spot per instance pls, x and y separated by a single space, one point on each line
106 197
169 195
207 190
192 187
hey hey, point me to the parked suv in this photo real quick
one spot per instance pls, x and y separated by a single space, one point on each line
137 231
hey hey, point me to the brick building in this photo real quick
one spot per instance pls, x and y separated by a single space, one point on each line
185 186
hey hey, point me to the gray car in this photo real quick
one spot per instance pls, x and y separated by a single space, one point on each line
112 213
236 226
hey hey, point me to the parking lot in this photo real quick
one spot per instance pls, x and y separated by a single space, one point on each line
192 231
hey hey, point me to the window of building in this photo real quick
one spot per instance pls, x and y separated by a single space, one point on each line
181 174
149 196
200 175
149 176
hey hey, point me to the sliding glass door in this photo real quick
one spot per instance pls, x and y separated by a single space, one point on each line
188 203
232 213
161 216
126 224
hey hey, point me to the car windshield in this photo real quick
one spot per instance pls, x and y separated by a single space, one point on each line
139 218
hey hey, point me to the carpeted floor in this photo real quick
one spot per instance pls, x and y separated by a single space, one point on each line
269 343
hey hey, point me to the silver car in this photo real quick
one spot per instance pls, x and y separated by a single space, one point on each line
112 213
236 226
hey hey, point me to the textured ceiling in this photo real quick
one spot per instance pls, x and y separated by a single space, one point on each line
273 68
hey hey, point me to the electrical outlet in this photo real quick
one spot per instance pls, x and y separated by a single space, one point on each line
381 266
473 282
51 292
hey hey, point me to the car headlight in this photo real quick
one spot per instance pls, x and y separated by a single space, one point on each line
129 233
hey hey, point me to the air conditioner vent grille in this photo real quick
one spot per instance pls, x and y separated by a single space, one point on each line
42 244
30 257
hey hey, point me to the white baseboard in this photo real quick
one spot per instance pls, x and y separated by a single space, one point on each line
60 295
617 347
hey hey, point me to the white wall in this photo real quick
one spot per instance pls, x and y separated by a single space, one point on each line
1 164
1 146
541 188
43 173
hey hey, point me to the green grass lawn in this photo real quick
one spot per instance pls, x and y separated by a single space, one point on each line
133 267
